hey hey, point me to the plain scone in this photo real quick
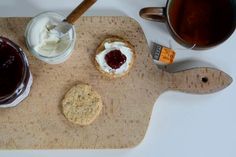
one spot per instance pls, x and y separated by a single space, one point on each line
101 48
81 104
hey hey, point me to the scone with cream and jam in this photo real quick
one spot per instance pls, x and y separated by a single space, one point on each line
114 57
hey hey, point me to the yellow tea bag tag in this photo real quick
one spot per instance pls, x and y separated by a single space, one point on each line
163 54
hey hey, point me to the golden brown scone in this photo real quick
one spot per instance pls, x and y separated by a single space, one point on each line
101 47
81 104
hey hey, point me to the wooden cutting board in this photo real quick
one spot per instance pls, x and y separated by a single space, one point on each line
38 122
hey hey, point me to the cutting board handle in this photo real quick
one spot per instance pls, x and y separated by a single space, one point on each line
201 80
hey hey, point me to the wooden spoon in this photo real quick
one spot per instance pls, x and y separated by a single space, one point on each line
67 24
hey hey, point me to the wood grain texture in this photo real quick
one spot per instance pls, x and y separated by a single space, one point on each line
38 122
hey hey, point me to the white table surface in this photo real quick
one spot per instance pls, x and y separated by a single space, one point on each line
182 125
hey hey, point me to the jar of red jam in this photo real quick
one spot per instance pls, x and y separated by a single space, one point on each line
15 76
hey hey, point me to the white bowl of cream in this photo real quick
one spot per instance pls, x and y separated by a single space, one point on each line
45 45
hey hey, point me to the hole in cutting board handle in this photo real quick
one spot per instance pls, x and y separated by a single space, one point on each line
205 79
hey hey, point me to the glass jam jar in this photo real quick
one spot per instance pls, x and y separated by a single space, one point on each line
15 76
45 44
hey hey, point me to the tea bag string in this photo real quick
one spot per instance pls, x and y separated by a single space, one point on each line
178 48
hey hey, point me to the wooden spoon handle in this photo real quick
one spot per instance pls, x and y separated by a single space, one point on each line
79 10
199 80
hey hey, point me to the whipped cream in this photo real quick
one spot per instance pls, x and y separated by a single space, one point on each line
46 41
100 58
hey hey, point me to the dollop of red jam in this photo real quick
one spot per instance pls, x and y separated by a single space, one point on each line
115 59
11 67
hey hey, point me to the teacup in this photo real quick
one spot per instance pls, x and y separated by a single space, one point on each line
197 24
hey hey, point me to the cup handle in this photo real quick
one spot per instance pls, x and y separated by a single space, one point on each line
153 14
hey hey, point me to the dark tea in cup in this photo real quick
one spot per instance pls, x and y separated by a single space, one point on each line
201 22
196 23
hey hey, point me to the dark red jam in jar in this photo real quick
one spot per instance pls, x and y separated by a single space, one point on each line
115 59
14 71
